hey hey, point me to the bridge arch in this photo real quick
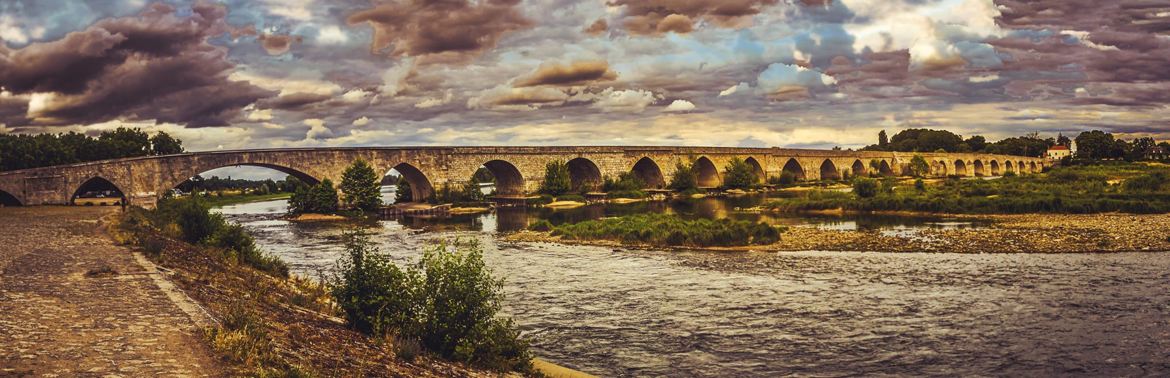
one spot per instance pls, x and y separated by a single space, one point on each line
649 172
858 168
509 181
939 168
757 168
7 199
979 172
199 170
1009 167
421 189
792 166
1021 167
884 168
97 187
829 170
584 174
995 168
706 173
960 167
1032 167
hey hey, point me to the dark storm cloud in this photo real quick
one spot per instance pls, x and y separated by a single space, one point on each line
293 101
441 30
655 17
1115 47
276 44
154 66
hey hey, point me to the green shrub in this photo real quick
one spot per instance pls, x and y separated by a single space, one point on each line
402 191
919 185
627 181
320 199
632 194
194 218
541 226
739 175
557 180
786 178
447 300
1151 182
234 238
571 197
684 178
669 229
865 187
362 186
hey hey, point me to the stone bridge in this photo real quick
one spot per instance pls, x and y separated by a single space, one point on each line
518 170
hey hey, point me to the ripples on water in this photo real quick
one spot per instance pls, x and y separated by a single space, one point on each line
647 313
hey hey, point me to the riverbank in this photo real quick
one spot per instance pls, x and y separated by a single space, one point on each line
1028 233
235 199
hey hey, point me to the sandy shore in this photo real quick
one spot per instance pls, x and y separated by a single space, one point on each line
1030 233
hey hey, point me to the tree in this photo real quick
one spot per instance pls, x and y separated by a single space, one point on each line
740 175
319 199
883 139
1063 140
164 144
976 143
471 190
918 166
402 191
1143 147
362 186
124 142
684 178
911 140
865 187
1095 144
556 179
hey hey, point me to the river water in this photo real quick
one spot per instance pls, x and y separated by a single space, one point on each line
655 313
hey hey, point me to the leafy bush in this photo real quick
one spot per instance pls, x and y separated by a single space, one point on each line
865 187
448 301
684 178
402 191
320 199
669 229
198 225
919 185
740 175
627 181
362 186
234 238
194 217
632 194
1145 183
786 178
571 197
918 166
557 180
542 225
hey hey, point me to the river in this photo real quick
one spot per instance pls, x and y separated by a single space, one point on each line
617 312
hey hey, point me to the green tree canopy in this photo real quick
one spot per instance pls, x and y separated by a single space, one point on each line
684 178
557 180
361 186
740 175
164 144
918 166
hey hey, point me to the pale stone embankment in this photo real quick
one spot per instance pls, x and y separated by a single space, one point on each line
55 320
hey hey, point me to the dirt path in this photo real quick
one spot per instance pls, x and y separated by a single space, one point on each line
56 321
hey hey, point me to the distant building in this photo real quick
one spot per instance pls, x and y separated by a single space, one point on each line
1058 152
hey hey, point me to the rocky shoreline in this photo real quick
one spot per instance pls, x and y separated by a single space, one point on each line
1028 233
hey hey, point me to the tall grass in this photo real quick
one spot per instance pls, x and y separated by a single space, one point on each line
666 229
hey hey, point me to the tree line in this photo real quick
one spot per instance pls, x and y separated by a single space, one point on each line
1094 144
22 151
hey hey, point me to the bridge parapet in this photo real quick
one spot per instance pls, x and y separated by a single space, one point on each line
519 170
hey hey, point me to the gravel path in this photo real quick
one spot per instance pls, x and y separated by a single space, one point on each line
57 321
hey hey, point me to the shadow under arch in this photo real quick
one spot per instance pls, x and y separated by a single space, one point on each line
706 174
303 177
939 168
1032 167
647 170
1009 167
8 200
792 166
979 172
995 168
97 187
584 174
858 168
421 189
1020 167
757 168
509 181
960 168
884 168
829 170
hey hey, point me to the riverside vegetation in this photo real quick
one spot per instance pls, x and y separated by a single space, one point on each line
1140 188
666 229
443 308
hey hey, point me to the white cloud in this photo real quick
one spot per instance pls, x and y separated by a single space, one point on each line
738 88
503 97
317 129
356 95
260 114
983 78
1083 38
680 106
629 100
394 79
297 10
332 35
780 76
361 121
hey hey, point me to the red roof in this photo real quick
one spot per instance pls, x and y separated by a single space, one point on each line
1057 148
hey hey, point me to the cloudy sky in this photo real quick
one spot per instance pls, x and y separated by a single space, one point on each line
798 73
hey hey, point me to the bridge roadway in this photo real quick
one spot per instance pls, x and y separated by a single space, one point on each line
518 170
